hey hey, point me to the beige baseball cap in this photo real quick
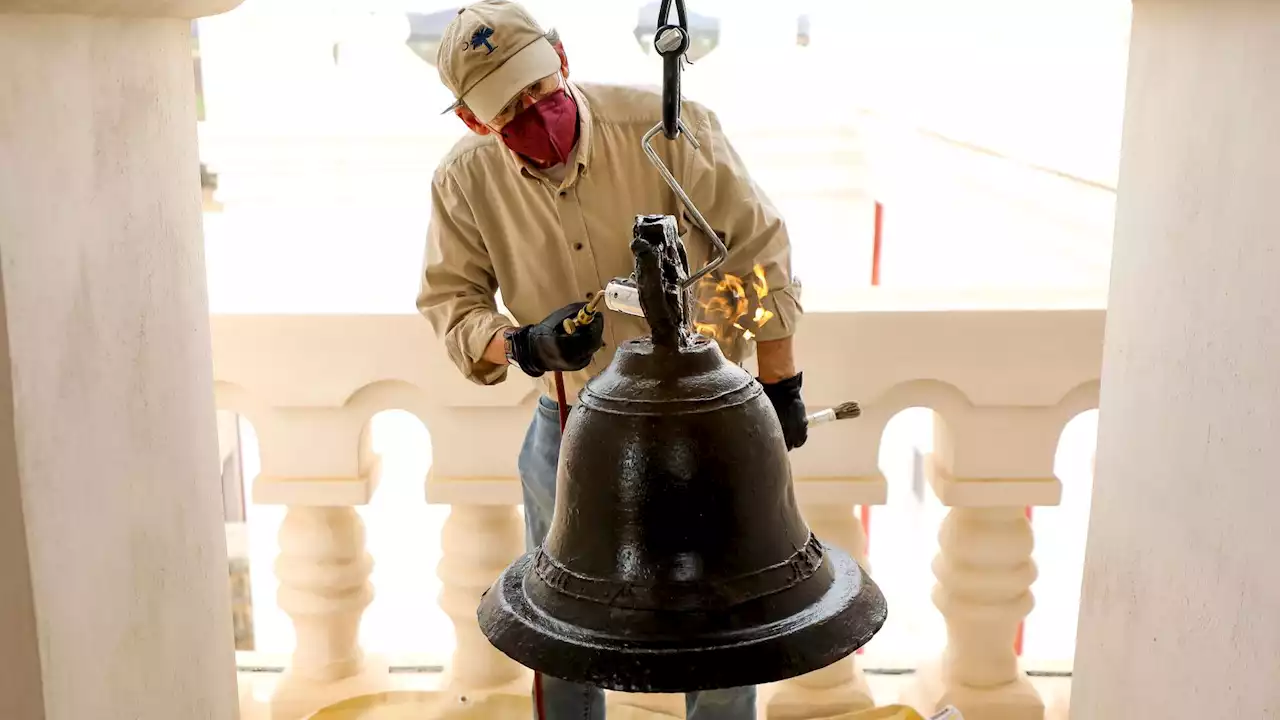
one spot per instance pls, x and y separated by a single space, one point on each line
491 51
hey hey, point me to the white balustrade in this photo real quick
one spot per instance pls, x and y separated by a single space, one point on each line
1002 381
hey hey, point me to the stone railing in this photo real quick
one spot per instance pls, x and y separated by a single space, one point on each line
1002 381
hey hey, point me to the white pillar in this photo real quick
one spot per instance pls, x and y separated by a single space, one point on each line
1177 614
114 601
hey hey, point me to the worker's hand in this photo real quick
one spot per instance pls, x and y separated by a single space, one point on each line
785 396
546 346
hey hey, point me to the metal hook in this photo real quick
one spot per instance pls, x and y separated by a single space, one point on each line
701 222
671 42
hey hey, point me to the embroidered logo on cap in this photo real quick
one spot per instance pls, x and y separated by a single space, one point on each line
480 38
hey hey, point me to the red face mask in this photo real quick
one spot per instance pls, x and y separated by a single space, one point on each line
545 131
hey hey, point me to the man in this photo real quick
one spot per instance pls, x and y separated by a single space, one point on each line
539 200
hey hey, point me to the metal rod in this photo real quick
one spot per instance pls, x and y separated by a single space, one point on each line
721 252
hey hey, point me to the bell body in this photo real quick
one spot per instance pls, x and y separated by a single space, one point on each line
677 559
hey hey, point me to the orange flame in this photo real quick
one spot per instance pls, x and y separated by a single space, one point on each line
731 307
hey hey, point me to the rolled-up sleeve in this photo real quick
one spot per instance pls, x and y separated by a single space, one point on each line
458 284
753 230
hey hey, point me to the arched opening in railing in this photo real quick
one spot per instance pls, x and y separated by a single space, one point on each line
263 633
404 624
235 511
1049 633
902 541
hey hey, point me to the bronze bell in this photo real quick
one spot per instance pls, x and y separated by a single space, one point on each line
677 559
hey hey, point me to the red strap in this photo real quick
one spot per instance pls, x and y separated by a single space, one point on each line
539 705
564 406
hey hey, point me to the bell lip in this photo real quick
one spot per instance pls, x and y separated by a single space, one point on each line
812 641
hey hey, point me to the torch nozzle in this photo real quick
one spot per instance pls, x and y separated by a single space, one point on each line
585 315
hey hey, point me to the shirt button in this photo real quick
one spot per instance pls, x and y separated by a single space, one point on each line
577 246
563 193
590 295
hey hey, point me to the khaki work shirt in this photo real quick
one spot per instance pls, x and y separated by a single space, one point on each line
497 222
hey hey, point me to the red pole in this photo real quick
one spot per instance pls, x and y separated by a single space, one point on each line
875 244
865 512
560 401
539 703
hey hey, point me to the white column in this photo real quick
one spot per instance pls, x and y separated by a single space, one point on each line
839 687
1178 609
114 601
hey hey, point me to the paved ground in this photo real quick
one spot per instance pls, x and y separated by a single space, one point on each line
404 703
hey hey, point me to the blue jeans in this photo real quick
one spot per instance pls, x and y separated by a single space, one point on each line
563 700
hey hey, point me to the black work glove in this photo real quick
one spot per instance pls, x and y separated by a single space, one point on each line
785 396
540 348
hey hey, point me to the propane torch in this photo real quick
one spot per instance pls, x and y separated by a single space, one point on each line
585 315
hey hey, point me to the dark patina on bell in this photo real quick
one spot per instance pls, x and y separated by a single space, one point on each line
677 559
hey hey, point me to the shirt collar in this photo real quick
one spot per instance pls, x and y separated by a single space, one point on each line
582 151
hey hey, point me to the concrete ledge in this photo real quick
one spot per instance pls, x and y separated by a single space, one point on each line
188 9
312 492
842 490
474 491
992 492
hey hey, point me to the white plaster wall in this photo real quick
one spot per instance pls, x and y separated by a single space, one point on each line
1181 589
108 339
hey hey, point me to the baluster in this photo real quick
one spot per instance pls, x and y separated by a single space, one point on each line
324 587
841 686
478 542
985 571
323 569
